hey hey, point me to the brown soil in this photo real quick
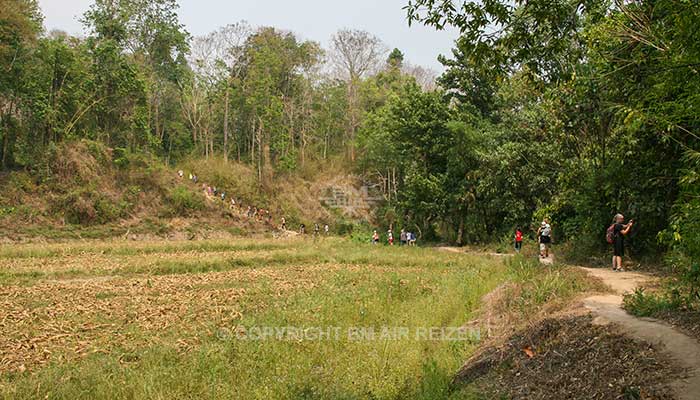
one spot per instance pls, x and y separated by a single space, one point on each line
597 351
570 358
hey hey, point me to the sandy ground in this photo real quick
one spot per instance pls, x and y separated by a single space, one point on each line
682 348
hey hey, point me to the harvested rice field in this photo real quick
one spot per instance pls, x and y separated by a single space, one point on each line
244 319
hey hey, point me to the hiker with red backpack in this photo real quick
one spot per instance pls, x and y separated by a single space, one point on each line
615 235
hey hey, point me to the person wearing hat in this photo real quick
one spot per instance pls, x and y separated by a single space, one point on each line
544 233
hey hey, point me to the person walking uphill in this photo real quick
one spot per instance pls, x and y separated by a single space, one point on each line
618 230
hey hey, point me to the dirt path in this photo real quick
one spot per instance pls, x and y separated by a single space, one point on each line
608 309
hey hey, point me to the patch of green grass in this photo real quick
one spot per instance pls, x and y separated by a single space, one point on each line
643 304
542 284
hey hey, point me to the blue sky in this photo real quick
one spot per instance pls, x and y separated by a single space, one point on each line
310 19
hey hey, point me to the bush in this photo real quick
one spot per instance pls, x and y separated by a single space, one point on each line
88 206
81 163
644 304
185 202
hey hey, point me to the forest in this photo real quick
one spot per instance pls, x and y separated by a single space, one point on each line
568 109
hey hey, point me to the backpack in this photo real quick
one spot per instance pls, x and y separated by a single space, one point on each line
610 234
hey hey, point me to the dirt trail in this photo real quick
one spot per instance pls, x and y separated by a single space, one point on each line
683 349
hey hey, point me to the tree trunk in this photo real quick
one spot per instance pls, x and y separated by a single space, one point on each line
226 105
460 232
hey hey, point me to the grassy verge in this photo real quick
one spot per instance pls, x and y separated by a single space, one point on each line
186 320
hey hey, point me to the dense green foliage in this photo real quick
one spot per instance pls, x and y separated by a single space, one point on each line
567 109
139 83
573 110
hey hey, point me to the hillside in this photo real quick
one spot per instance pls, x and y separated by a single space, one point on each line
85 190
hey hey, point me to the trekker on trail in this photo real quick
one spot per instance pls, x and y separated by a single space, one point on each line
390 237
375 237
518 240
302 229
317 229
403 238
545 237
283 224
326 229
620 230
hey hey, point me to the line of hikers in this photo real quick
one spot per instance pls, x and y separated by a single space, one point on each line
213 193
251 212
405 238
615 235
302 228
544 238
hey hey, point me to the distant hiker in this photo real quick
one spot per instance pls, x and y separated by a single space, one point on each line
518 240
248 212
326 229
223 196
283 224
619 231
317 229
403 237
390 237
233 203
190 177
375 237
545 238
180 174
302 229
411 239
195 179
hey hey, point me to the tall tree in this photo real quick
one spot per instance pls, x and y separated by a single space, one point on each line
20 23
355 54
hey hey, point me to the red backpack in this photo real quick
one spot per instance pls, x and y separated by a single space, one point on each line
610 234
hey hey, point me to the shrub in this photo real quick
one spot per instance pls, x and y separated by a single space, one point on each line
184 202
644 304
88 206
83 162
